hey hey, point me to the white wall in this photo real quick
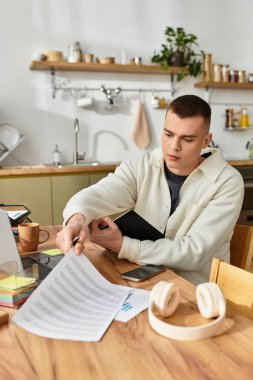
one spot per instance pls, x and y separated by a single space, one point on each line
105 28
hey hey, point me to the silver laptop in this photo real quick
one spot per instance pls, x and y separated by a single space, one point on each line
10 260
8 248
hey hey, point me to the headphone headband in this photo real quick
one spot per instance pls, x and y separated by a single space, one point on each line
164 299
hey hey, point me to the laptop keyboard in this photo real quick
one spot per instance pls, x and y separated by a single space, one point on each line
44 270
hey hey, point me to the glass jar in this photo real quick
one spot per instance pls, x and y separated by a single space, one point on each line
241 76
217 73
155 102
233 76
250 77
225 73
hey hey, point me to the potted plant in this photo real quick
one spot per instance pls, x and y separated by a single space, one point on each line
179 52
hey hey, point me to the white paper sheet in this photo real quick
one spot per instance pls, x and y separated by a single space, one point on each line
137 301
74 302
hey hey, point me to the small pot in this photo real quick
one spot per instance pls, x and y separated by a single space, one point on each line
177 58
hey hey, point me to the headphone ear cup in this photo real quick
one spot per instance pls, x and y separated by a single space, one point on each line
164 298
210 300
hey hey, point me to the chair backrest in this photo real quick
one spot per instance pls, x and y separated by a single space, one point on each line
241 247
236 285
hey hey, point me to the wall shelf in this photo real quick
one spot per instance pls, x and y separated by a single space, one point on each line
99 67
237 129
55 66
210 86
225 85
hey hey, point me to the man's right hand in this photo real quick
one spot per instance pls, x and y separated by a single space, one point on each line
76 227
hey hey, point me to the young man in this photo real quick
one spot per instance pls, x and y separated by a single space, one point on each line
186 191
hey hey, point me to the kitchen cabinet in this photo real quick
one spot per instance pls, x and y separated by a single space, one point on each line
34 192
63 188
46 195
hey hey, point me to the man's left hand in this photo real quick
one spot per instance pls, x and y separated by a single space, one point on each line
109 237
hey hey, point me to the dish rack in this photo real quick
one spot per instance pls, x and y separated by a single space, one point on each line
5 151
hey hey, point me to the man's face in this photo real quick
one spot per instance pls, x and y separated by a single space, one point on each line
182 141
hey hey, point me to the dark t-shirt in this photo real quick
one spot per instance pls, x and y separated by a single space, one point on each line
175 183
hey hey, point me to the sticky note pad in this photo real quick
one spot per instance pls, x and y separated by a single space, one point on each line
53 252
15 282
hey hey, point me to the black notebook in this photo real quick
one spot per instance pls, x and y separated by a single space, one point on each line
134 226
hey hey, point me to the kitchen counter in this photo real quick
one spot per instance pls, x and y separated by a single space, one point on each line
14 171
83 168
241 162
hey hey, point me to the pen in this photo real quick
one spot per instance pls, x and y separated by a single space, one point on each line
75 240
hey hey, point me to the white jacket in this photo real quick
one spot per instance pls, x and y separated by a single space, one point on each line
199 229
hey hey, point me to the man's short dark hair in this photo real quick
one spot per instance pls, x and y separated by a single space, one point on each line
191 105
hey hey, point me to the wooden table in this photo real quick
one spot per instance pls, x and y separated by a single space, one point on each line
131 350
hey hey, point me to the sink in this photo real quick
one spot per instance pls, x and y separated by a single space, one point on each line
85 163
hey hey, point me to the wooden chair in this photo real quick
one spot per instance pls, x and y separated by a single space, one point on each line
241 247
236 285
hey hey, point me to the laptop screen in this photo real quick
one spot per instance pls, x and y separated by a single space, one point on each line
8 248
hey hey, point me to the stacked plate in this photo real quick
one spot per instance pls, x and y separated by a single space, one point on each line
9 139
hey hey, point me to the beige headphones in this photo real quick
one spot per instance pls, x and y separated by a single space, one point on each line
164 299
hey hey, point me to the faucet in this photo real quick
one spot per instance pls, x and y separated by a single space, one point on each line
76 156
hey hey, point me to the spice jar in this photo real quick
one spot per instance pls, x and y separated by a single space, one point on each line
155 102
162 103
217 73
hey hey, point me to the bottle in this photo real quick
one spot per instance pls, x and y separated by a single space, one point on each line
230 118
77 52
208 68
244 121
56 156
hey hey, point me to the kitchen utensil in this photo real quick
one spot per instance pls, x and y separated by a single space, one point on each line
249 147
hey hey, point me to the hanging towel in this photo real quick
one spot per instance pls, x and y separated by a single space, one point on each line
141 134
